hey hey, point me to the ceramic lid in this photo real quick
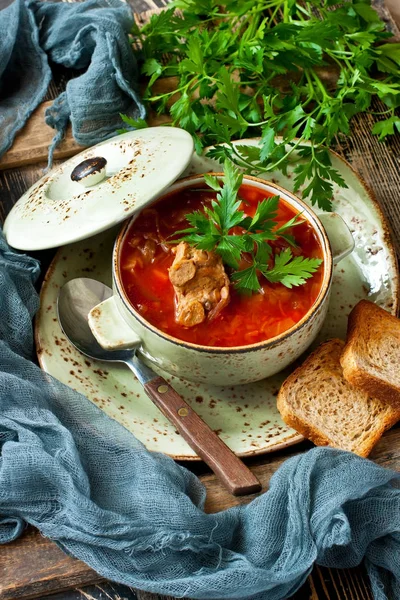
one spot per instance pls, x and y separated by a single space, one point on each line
98 188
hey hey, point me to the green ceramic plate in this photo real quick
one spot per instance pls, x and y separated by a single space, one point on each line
245 417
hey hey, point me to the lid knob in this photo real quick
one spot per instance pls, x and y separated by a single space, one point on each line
90 171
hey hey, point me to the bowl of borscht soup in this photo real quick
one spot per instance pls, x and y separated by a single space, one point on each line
224 279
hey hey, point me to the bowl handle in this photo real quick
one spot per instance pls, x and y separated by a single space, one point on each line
339 234
110 329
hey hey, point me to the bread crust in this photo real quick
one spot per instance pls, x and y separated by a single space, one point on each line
316 434
354 371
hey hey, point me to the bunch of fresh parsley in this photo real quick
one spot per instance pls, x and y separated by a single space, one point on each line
211 230
229 58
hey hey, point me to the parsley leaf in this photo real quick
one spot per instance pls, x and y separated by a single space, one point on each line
153 69
386 127
246 279
264 219
226 206
132 123
291 271
213 230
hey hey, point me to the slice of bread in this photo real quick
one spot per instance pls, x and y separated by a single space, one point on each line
320 404
371 357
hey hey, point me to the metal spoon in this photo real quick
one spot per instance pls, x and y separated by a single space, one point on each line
75 300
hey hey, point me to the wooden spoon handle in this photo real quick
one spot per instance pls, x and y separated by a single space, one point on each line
226 465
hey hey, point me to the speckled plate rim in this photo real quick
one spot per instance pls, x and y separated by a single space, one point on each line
296 438
388 235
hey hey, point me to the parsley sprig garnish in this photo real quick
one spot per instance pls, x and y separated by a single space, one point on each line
214 230
258 68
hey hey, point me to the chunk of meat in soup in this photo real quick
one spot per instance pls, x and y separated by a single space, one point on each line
200 283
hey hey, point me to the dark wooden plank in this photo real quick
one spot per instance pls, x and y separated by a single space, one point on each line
102 591
389 12
32 567
394 9
323 584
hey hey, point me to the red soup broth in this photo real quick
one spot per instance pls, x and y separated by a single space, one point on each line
248 319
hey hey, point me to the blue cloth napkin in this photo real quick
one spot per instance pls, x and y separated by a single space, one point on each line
91 37
137 517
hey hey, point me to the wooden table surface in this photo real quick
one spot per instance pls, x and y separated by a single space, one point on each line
34 567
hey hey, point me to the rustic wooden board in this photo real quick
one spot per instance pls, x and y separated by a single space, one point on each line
389 11
34 567
394 8
32 142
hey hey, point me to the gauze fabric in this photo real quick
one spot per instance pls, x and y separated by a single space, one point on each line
90 37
